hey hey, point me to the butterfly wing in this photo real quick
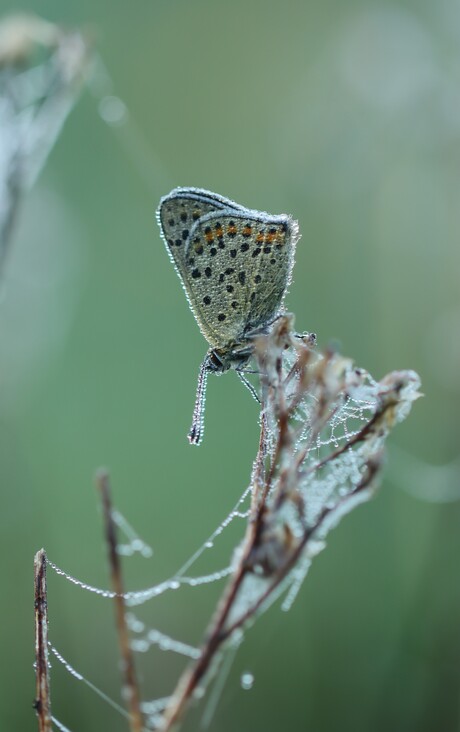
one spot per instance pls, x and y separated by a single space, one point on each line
178 212
239 265
234 263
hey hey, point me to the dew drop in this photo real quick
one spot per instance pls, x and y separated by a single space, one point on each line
140 646
199 692
209 545
113 111
247 680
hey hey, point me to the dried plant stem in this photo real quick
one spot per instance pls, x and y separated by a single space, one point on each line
270 550
131 687
42 695
323 428
215 639
293 558
219 633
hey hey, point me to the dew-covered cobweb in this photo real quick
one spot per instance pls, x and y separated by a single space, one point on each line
337 428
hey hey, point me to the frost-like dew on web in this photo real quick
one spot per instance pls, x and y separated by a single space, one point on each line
88 683
207 578
137 598
234 513
83 585
220 681
155 706
297 577
142 596
153 711
136 544
61 727
62 660
164 643
134 624
335 422
153 637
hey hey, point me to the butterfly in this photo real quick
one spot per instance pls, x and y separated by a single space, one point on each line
235 265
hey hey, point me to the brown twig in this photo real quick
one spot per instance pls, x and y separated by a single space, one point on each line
270 549
219 633
42 702
131 687
215 634
293 558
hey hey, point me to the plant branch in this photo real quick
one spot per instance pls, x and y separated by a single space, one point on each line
131 688
42 702
296 384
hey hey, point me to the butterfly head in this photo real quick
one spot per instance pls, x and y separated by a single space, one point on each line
220 360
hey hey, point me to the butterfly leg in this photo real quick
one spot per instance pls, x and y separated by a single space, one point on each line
248 385
195 434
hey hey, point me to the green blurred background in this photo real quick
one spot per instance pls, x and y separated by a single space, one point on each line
347 116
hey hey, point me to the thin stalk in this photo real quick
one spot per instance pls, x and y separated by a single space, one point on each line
42 702
131 686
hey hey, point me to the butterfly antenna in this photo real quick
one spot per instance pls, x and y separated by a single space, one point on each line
195 434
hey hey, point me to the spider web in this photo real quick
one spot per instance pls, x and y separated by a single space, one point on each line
144 638
338 426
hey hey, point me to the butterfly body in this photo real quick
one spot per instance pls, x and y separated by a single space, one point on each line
235 265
